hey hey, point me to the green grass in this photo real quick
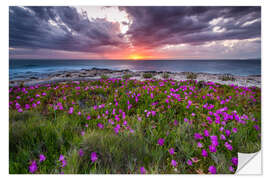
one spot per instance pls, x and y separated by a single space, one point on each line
52 131
103 76
126 76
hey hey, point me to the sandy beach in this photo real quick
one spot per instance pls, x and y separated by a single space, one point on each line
95 73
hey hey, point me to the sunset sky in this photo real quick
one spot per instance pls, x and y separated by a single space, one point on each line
134 32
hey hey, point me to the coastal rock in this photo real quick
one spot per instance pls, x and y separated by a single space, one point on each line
95 73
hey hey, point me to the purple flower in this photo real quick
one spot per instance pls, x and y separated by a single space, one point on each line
174 163
116 129
206 133
199 144
94 156
231 169
228 146
227 132
204 153
42 158
212 169
214 140
81 153
70 110
61 158
101 126
198 136
64 163
189 162
235 161
221 129
27 106
171 151
82 133
33 167
234 130
161 141
256 127
123 115
212 148
142 169
222 137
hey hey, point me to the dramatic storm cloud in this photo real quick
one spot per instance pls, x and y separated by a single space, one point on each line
61 28
155 32
158 26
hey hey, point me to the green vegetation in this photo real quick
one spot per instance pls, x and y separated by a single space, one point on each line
131 126
147 75
103 76
165 75
227 77
191 75
127 76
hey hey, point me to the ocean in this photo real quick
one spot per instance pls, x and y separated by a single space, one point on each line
20 69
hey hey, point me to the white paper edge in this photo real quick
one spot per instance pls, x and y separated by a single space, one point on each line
249 164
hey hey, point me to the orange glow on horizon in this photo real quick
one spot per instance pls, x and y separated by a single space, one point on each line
134 54
135 57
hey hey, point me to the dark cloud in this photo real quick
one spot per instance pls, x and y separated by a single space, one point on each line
61 28
158 26
66 29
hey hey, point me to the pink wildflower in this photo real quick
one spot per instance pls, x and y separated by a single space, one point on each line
70 110
33 167
189 162
212 169
161 141
204 153
174 163
142 170
42 158
212 148
81 153
171 151
94 156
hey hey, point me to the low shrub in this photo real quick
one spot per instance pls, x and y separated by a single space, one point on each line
147 75
191 75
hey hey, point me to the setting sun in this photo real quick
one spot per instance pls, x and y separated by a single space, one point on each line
135 56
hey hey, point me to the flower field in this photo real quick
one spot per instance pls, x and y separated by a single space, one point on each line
117 126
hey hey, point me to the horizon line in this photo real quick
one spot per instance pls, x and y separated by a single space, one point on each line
136 59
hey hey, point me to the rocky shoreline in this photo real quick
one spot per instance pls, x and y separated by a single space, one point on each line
95 73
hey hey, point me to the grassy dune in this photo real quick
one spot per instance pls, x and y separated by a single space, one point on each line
129 126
